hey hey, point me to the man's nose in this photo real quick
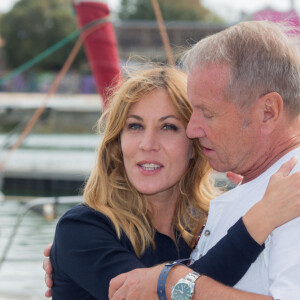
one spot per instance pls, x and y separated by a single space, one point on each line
194 128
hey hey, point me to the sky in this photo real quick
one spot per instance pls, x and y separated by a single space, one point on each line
230 10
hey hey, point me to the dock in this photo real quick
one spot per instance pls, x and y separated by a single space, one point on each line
50 164
58 102
58 155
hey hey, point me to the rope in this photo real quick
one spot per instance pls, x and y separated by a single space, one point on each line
163 32
51 91
51 50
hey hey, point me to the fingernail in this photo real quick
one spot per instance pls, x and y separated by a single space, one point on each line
295 158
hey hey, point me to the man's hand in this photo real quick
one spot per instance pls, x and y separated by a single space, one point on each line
48 269
139 284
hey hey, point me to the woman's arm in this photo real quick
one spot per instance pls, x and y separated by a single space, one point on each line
231 257
87 254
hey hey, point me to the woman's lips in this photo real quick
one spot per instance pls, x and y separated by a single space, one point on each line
149 168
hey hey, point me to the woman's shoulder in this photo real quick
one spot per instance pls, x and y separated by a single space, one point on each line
81 214
82 210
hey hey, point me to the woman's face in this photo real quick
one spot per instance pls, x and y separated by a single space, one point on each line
156 150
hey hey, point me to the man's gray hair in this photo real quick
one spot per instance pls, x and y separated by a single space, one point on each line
262 56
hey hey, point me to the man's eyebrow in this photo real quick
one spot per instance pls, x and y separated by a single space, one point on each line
200 106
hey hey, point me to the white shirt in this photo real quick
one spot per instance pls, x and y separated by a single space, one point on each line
276 272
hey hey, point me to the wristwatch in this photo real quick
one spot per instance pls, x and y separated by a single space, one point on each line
161 283
184 288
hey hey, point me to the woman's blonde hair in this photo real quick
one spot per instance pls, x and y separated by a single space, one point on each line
108 189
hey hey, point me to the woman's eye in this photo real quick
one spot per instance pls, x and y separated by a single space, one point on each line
170 127
134 126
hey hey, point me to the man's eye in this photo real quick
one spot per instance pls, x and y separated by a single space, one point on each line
134 126
170 127
207 115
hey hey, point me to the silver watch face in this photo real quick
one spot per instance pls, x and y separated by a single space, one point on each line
182 291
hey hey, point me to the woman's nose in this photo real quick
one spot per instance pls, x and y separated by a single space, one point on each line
149 141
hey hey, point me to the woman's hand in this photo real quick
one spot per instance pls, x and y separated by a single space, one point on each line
234 178
48 269
280 204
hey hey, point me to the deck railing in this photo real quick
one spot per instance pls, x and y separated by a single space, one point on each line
46 207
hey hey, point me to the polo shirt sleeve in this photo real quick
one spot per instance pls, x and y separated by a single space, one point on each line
231 257
87 251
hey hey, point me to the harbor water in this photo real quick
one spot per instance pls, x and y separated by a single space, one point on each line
21 273
55 157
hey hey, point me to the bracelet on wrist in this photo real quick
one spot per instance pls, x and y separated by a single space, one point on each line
161 284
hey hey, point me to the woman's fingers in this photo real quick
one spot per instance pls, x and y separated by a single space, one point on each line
287 167
234 178
284 170
47 266
48 281
48 269
47 250
48 293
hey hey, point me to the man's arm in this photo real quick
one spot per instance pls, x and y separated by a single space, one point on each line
209 289
140 284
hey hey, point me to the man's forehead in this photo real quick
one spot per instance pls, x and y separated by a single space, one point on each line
214 77
205 88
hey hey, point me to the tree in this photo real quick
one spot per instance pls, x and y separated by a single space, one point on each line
183 10
32 26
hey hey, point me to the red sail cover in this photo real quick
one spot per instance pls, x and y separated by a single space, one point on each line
100 46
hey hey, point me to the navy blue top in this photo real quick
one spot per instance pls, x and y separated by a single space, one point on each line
87 254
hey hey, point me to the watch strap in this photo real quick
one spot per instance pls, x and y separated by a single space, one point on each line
161 283
192 277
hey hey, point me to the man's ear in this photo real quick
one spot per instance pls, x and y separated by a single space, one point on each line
270 109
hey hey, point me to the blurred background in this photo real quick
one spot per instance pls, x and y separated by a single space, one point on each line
53 90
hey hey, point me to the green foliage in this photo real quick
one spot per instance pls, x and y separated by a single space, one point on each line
182 10
32 26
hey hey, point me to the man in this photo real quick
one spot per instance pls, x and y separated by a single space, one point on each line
244 86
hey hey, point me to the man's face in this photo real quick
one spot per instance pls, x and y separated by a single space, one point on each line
229 137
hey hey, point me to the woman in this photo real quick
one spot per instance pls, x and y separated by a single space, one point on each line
147 197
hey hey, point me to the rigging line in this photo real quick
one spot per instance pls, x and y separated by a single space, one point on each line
52 49
51 91
163 32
